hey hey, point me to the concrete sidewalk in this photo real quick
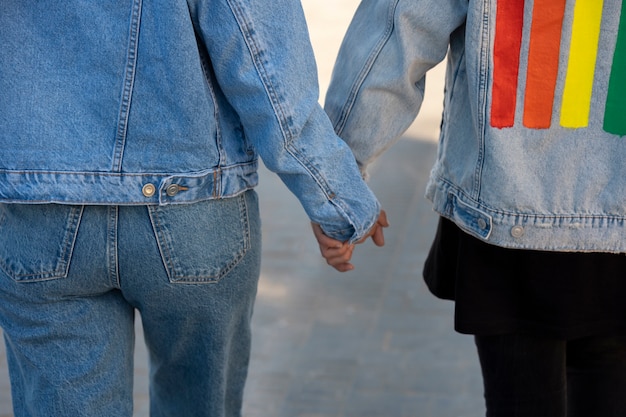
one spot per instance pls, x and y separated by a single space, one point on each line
369 343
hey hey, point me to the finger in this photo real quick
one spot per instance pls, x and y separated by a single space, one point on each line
336 253
323 240
342 263
382 219
378 237
336 256
333 252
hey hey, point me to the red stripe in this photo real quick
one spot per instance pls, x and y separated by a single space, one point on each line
506 57
543 62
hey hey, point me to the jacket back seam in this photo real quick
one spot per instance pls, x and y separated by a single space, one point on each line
127 87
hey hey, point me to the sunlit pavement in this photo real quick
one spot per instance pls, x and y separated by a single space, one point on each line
369 343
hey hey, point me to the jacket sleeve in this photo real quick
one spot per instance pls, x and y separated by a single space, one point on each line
264 64
378 81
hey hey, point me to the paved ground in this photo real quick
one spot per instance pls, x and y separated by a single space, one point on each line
370 343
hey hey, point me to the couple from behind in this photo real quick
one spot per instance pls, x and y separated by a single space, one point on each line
128 161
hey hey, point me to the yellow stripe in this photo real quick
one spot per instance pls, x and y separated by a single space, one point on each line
582 62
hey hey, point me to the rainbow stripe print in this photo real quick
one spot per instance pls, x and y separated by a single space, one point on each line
544 50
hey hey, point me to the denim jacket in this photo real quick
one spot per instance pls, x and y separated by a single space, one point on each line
168 102
532 150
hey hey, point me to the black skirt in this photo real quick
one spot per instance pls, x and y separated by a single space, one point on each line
566 295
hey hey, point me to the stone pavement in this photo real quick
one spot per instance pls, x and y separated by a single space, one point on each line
369 343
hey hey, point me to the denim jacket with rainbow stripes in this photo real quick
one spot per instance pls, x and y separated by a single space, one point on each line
532 150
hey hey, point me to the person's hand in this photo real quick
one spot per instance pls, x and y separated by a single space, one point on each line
376 232
338 254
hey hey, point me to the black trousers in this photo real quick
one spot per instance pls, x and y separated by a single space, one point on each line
529 376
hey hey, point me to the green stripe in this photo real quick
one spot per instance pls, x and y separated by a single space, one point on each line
615 113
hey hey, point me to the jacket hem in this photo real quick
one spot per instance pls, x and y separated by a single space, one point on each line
103 188
598 232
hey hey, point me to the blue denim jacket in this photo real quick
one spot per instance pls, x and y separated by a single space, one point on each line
532 149
168 102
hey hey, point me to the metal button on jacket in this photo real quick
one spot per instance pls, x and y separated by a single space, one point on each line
148 190
172 190
517 231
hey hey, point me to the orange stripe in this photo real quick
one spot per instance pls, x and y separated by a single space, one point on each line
543 62
506 57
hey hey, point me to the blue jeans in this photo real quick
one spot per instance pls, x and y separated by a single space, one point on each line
531 376
72 277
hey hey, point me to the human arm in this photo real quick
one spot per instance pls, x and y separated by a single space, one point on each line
262 59
379 77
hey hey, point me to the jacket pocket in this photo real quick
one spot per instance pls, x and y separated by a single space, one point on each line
36 241
202 242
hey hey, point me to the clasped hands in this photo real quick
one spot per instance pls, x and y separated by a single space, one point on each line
338 254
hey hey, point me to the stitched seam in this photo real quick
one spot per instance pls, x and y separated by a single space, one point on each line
129 81
360 79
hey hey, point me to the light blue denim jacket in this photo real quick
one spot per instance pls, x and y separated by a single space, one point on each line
513 168
168 102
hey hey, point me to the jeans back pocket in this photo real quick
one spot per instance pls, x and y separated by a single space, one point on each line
36 241
202 242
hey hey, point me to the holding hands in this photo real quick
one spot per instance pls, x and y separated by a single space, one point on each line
338 254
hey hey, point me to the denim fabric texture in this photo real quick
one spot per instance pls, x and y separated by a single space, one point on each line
72 277
550 188
135 102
